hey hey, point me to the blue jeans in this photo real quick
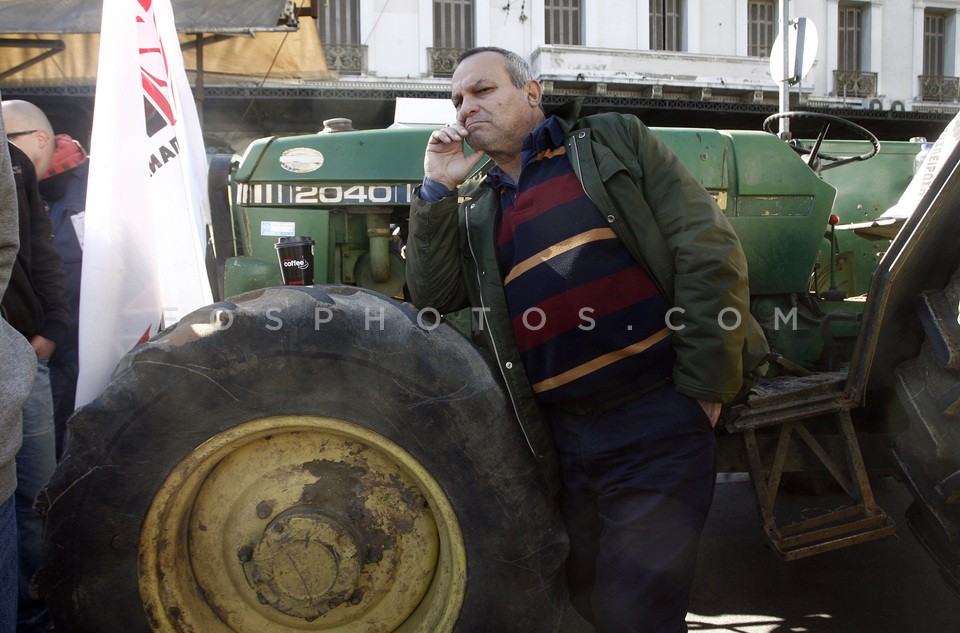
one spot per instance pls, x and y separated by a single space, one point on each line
637 485
8 566
36 462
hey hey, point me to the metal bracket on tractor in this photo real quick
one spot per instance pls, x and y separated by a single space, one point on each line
906 342
788 402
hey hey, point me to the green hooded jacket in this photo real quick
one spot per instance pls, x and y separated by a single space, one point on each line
663 216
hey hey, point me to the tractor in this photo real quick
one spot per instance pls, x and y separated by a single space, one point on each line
328 457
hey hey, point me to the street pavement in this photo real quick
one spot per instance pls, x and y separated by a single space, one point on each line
884 586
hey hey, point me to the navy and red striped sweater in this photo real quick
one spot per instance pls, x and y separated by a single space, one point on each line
587 318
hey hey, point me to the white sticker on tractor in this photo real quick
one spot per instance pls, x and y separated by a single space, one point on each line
301 160
282 229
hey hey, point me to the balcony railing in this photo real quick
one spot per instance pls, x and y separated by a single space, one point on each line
939 88
854 83
346 59
443 61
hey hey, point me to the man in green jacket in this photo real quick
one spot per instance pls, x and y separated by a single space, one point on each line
613 294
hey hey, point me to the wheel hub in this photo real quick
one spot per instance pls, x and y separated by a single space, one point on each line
306 563
291 524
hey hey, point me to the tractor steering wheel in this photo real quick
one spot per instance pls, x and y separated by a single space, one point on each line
814 156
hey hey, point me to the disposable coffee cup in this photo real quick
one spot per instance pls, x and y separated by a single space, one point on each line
296 260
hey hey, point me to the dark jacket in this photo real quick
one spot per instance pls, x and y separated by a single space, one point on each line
667 220
66 196
34 301
18 363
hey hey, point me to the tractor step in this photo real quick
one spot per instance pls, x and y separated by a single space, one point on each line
835 530
789 403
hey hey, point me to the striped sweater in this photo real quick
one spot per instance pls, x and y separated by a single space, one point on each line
587 318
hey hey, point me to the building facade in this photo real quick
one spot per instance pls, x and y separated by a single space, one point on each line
891 66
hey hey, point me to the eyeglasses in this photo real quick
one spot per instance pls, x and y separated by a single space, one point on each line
24 133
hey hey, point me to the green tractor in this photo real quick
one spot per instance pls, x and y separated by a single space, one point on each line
327 457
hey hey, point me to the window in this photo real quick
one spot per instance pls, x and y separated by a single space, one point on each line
849 50
934 43
665 21
852 77
339 25
339 22
936 83
762 27
453 24
562 18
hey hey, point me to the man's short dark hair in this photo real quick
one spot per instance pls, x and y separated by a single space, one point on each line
517 68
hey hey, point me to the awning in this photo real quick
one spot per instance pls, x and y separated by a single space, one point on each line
227 17
56 42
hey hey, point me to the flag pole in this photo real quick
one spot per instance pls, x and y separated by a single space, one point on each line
785 83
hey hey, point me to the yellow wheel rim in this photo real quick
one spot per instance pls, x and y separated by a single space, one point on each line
301 524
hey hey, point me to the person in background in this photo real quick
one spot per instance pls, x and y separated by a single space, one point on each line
34 304
600 269
17 371
64 189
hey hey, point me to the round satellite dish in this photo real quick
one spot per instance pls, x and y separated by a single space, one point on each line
802 43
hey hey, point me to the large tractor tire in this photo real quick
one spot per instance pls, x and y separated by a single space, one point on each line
929 452
301 459
917 351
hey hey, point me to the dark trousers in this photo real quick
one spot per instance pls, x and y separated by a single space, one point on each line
637 485
64 370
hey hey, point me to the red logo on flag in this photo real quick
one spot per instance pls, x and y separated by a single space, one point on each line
158 97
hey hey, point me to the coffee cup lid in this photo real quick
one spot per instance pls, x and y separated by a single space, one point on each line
294 241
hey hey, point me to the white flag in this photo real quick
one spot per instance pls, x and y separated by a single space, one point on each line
146 209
